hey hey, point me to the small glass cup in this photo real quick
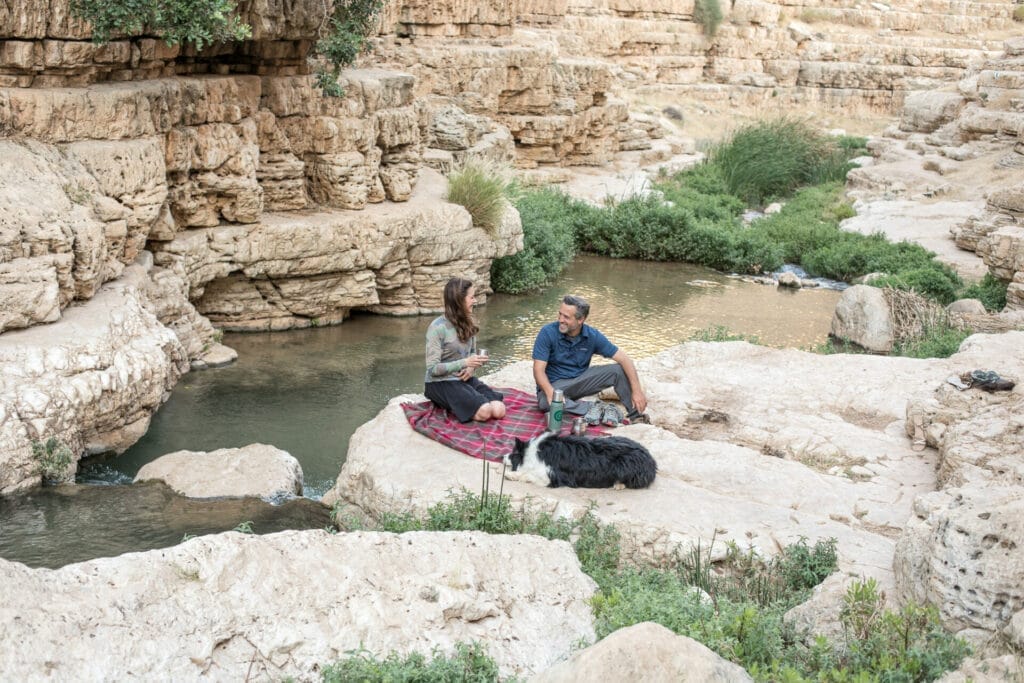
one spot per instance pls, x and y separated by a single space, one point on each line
482 352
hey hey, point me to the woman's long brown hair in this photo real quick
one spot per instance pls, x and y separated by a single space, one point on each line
455 308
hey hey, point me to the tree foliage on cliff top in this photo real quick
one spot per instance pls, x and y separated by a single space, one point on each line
199 22
203 22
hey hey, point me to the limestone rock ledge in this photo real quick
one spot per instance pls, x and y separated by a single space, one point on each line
754 445
92 379
298 269
234 607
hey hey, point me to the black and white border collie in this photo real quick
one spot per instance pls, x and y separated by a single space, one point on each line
581 462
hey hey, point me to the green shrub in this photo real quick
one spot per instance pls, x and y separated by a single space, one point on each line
653 229
199 22
53 460
482 190
549 218
991 291
807 222
1018 13
933 283
734 607
469 664
770 159
854 145
936 341
908 644
708 13
344 39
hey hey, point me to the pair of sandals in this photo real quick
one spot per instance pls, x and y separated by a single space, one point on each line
602 413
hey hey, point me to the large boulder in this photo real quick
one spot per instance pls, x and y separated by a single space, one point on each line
646 652
924 112
253 470
862 316
235 607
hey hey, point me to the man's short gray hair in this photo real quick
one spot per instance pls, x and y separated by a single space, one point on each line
582 307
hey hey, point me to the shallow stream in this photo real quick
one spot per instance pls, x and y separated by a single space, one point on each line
307 391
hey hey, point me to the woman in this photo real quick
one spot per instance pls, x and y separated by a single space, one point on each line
452 358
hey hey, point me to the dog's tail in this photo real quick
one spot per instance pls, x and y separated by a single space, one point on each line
642 475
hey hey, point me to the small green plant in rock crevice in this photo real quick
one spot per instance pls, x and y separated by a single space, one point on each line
468 664
708 13
53 460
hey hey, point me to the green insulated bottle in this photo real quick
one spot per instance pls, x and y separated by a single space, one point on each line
555 413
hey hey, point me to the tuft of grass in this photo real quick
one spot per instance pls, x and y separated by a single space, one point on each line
482 190
770 159
936 341
470 663
708 13
53 460
245 528
721 333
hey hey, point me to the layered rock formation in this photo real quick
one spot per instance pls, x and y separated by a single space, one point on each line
263 204
764 53
92 380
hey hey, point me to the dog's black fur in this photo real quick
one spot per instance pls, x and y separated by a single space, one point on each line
581 462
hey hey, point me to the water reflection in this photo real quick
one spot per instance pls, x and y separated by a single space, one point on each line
58 525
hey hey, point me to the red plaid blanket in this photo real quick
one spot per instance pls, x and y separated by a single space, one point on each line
491 440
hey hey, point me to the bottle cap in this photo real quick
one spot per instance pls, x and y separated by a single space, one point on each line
559 396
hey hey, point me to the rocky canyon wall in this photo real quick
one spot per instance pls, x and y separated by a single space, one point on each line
238 195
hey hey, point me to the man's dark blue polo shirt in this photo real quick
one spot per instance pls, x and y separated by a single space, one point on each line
568 357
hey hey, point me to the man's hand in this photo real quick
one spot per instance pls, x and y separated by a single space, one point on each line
639 401
639 397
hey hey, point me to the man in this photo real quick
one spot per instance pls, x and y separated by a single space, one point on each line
561 360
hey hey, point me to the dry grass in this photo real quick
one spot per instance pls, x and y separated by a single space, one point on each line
911 314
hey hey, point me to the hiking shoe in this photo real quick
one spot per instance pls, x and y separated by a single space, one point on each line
612 416
594 415
639 419
983 376
997 385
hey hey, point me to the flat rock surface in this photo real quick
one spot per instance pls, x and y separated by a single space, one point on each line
754 445
233 607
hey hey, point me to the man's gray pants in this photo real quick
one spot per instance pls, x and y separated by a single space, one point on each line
594 379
